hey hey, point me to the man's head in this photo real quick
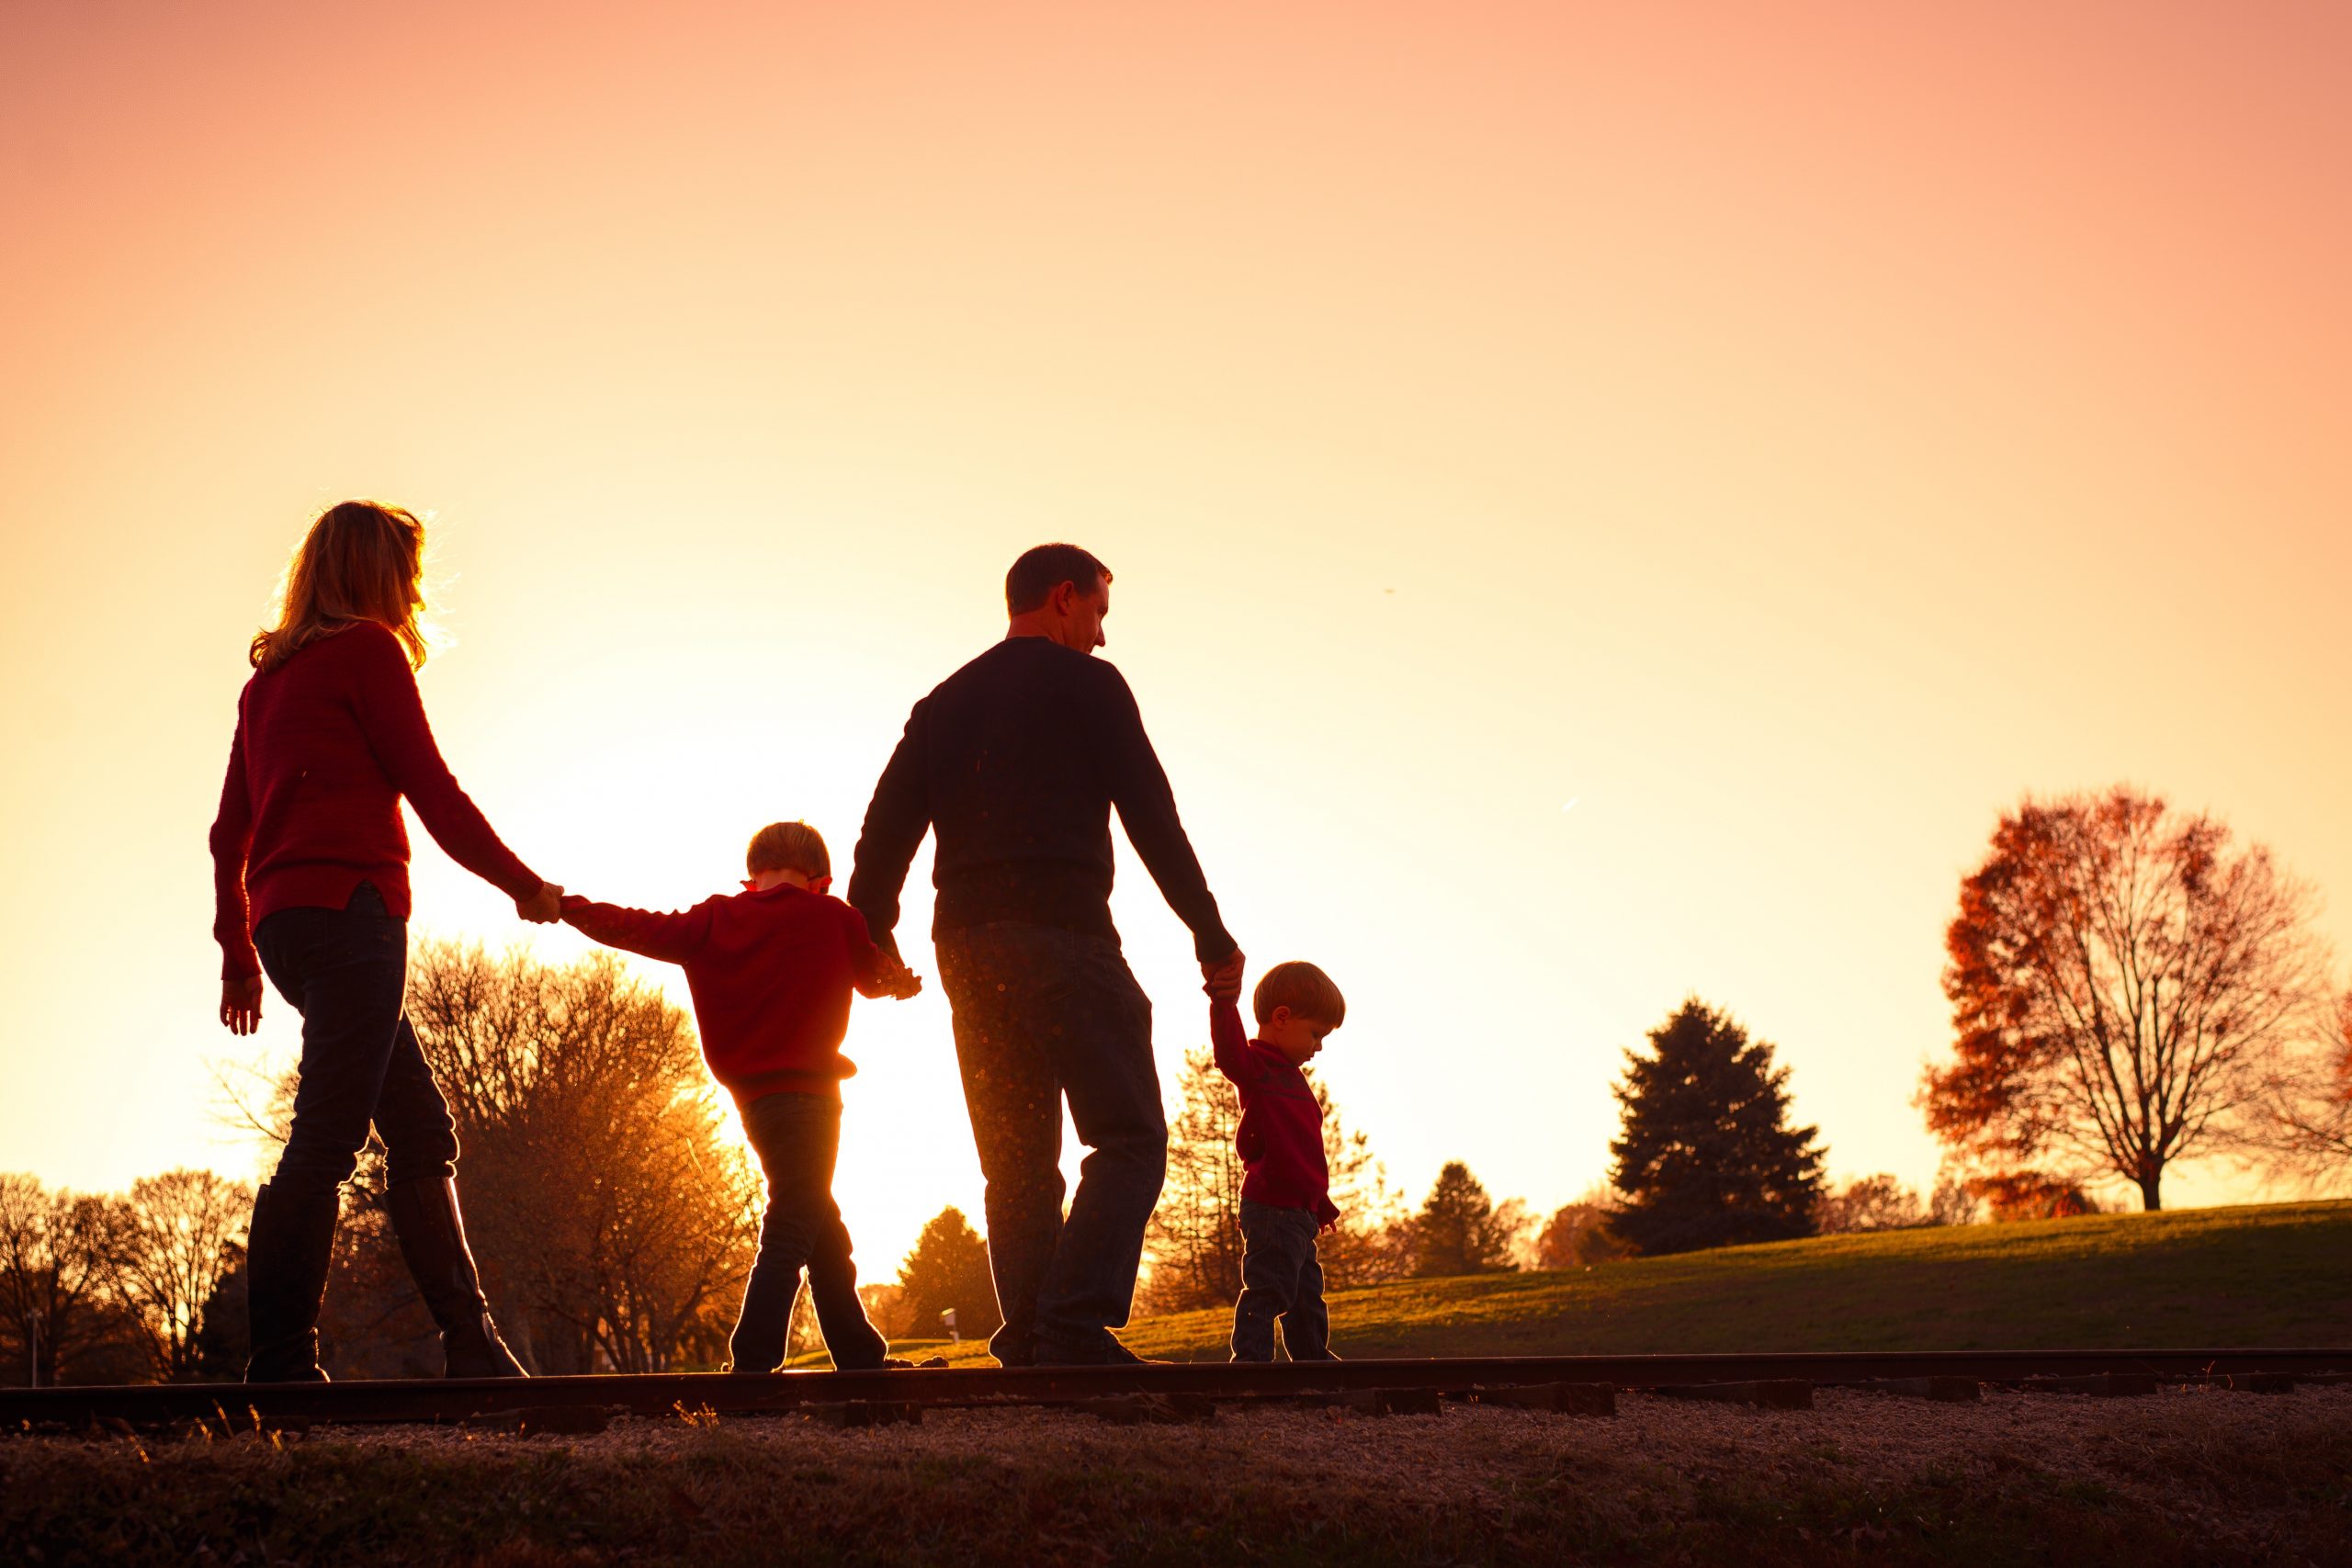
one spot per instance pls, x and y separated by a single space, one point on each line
788 853
1296 1005
1059 592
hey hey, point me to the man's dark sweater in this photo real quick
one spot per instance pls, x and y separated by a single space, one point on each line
1016 761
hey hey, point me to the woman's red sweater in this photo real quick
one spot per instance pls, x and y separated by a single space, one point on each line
327 743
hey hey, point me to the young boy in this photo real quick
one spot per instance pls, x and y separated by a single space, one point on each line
771 970
1285 1196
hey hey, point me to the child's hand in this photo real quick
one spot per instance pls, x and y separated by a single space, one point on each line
1223 980
897 980
543 907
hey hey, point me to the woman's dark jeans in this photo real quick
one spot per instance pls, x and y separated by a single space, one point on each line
1042 1014
797 1138
1281 1277
345 971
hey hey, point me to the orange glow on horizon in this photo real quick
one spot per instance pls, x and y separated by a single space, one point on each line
1785 438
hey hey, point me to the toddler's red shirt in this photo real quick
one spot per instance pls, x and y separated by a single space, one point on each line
1281 1135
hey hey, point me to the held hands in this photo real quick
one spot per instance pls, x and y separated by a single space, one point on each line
543 907
898 981
1223 979
241 1005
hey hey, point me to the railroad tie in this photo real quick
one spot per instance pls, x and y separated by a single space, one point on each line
1765 1393
1943 1390
1388 1402
535 1420
2099 1386
1569 1398
1152 1409
850 1415
2255 1383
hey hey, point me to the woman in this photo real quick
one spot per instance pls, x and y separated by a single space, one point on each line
310 879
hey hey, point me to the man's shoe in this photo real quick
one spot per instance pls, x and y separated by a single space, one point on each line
1105 1351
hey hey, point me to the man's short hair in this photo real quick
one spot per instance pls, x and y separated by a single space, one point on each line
788 846
1046 568
1302 987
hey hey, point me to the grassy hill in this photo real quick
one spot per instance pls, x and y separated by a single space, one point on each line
2269 1274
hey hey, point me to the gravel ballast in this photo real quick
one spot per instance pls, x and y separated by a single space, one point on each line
2190 1475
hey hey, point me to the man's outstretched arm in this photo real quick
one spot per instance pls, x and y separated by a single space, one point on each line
896 820
1148 810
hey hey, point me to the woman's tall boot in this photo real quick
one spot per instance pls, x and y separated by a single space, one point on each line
287 1252
433 1239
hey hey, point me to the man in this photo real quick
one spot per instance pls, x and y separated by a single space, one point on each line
1015 761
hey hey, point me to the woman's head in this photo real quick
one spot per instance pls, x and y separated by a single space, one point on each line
362 561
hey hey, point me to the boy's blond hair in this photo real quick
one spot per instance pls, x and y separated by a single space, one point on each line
788 846
1303 989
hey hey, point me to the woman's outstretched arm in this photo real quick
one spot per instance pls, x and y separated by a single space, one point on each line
391 712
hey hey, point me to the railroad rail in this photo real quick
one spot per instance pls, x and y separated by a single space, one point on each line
448 1401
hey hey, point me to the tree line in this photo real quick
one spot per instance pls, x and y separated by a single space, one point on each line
118 1288
2130 989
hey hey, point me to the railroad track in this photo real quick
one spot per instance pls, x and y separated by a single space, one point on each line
1377 1387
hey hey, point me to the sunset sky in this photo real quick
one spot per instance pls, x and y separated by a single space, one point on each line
1789 433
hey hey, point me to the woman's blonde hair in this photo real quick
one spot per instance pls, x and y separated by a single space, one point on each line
362 561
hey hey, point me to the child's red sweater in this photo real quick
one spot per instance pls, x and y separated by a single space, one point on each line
327 744
771 974
1281 1135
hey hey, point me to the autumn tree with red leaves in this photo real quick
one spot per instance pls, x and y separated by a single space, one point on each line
2304 1130
2123 986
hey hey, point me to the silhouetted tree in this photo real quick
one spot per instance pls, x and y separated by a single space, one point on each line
55 1253
2031 1195
948 1268
1579 1235
2303 1127
1952 1203
1194 1240
611 1212
1707 1158
174 1238
2123 984
1869 1203
1459 1231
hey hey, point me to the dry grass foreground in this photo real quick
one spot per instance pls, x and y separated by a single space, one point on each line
2186 1477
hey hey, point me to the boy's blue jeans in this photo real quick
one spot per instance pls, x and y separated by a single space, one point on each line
1281 1277
797 1138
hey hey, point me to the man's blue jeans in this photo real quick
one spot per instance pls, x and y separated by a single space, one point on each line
1041 1014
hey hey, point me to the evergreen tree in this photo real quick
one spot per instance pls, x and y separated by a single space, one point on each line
1459 1231
948 1267
1707 1158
